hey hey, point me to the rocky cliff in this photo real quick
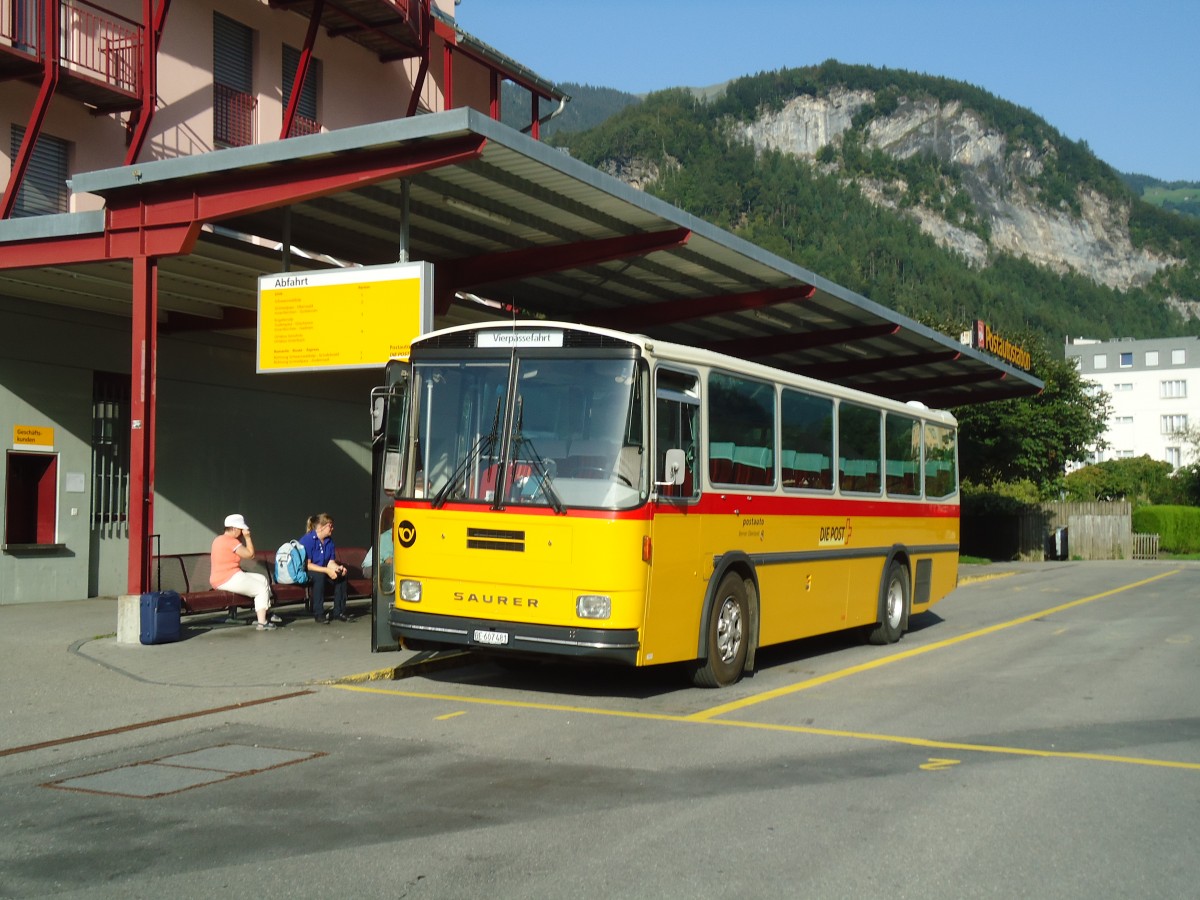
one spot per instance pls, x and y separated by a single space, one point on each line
1095 242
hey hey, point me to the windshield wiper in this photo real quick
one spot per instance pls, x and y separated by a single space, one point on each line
485 443
541 472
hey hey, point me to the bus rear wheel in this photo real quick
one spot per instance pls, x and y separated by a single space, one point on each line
895 605
726 636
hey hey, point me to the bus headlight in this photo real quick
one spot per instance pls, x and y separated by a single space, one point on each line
593 606
410 591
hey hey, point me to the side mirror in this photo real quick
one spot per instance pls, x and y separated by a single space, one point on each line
675 468
378 411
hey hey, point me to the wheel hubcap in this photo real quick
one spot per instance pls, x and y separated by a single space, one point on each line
895 603
729 630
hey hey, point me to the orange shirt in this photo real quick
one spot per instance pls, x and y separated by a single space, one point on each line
225 561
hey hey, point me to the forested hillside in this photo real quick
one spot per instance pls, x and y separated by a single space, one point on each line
1178 196
927 195
589 107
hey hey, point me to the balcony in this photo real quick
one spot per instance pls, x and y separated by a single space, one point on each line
391 29
99 52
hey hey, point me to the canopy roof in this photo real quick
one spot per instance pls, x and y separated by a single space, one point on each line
501 216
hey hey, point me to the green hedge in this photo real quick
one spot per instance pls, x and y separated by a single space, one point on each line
1177 527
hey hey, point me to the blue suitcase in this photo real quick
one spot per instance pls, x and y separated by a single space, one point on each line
160 617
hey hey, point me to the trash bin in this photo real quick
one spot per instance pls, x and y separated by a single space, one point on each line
1056 544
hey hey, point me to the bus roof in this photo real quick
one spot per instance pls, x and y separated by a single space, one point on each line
697 357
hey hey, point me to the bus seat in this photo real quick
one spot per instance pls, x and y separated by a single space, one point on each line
752 465
720 461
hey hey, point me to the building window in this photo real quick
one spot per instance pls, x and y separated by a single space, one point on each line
110 453
1152 357
1172 389
306 121
1099 361
1124 454
44 190
233 83
1173 424
1178 357
1174 457
1126 359
1123 386
1123 420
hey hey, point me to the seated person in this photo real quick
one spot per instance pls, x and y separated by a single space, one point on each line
324 569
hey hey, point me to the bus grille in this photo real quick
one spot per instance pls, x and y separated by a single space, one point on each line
493 539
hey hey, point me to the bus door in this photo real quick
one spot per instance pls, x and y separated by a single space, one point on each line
678 574
390 466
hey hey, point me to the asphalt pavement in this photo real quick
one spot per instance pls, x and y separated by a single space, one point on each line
65 673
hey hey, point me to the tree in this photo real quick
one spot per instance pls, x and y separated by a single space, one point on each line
1034 437
1139 480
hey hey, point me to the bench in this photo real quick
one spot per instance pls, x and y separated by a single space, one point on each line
187 573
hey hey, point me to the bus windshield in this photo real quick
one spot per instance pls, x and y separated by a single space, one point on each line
537 431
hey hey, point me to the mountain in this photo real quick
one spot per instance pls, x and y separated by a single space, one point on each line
589 107
928 195
1179 196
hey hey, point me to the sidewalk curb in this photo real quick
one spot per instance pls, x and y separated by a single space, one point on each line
428 661
977 579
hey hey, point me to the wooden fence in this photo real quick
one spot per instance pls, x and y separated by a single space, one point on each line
1145 546
1093 531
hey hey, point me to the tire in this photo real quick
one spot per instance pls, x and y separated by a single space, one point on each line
727 636
896 592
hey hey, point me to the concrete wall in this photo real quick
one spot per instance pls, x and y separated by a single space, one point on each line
276 448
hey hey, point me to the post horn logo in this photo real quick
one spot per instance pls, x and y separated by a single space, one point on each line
406 534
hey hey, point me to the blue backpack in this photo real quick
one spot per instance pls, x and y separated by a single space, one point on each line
290 564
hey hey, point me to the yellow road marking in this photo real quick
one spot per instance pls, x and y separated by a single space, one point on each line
936 764
453 715
878 662
925 743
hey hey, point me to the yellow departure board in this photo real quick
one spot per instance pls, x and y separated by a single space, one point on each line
356 318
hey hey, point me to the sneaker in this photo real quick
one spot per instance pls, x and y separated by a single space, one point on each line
275 619
342 617
265 626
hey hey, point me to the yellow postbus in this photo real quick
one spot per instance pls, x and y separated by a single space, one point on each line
561 490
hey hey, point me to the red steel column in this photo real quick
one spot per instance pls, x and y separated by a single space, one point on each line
142 420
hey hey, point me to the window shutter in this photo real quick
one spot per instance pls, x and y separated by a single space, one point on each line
233 48
44 190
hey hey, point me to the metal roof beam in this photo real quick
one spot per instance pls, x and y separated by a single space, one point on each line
529 262
769 345
669 312
909 387
852 367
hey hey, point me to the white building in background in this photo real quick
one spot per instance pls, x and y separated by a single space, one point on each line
1155 390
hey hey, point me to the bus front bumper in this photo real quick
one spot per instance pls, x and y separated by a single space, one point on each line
611 644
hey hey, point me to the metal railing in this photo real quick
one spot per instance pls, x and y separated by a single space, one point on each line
99 42
233 117
94 41
302 125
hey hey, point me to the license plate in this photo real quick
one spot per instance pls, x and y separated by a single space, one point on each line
491 637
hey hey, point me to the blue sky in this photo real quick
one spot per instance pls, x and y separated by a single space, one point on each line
1122 76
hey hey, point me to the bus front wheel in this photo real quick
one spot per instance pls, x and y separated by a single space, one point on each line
895 605
726 636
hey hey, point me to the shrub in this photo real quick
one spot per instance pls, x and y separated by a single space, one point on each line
1177 527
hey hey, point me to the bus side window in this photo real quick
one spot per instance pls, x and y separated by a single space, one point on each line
806 460
677 416
941 477
902 441
858 448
